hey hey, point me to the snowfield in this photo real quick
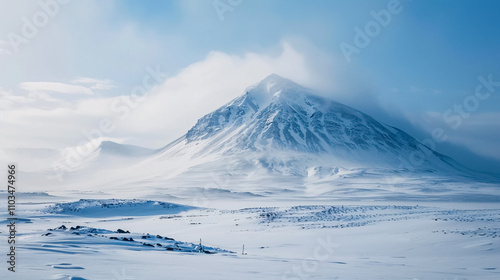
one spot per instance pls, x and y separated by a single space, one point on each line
73 240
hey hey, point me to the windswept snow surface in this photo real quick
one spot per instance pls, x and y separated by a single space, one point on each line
283 240
115 207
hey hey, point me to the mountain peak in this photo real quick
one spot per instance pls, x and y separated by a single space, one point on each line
110 147
275 78
255 99
274 82
272 88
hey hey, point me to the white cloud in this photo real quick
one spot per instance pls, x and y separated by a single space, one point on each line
173 107
8 100
36 118
14 100
94 107
94 84
49 87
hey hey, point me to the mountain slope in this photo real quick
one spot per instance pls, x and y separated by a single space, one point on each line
278 115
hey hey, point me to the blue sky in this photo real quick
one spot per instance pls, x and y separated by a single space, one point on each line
425 60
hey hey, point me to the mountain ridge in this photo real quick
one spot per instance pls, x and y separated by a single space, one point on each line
279 114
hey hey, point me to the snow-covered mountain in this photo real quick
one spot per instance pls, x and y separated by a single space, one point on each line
279 137
113 148
278 118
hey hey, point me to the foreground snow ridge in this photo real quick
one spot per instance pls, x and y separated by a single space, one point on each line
133 240
115 207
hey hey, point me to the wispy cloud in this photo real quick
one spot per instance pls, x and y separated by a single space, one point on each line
95 84
51 87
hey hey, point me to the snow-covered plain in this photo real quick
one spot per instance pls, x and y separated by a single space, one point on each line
283 239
